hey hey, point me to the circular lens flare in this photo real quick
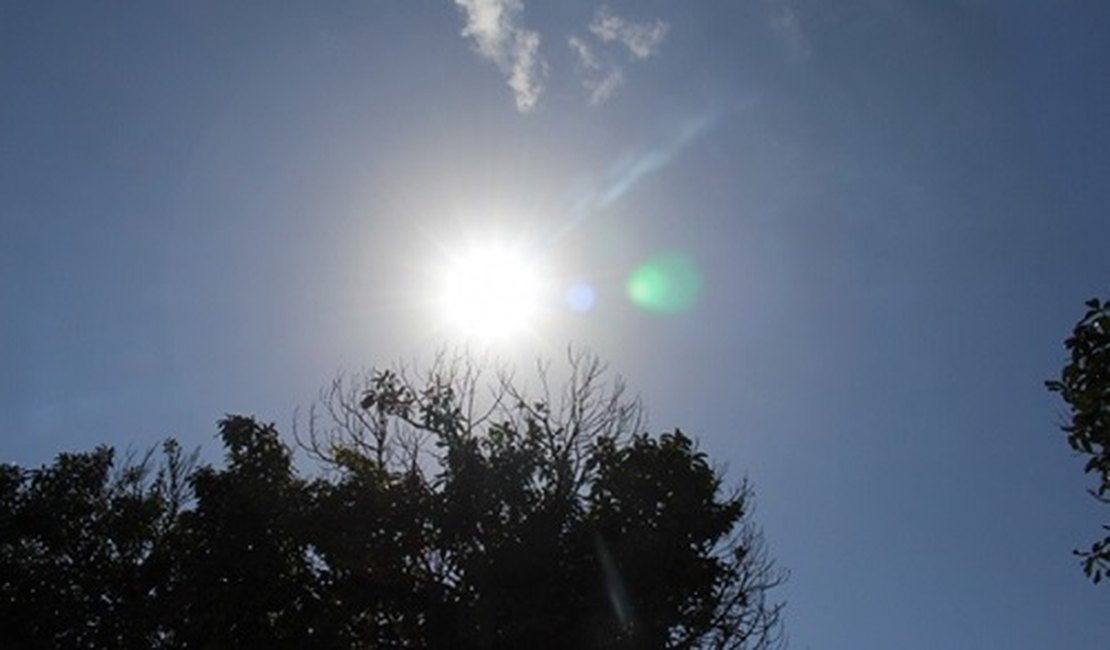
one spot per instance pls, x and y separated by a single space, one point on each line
580 297
666 283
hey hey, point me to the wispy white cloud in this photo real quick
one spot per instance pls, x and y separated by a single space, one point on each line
491 25
599 78
527 69
493 28
641 39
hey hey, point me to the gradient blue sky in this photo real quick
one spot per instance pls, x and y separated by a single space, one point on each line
896 208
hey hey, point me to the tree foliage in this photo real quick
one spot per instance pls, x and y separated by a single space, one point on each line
1084 384
446 513
86 550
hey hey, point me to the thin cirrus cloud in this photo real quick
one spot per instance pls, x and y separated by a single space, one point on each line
494 29
600 74
641 39
492 26
600 79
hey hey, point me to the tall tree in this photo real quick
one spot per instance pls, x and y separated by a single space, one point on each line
1084 384
551 518
246 579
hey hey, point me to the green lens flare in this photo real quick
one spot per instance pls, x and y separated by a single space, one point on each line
666 283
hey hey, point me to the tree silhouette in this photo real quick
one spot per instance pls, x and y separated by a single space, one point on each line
446 513
86 550
1084 384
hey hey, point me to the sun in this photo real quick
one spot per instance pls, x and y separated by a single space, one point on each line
490 291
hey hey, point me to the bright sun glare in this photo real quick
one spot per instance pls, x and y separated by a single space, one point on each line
490 292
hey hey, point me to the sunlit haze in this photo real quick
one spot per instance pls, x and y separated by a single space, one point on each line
489 291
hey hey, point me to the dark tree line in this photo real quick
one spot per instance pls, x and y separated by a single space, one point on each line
444 514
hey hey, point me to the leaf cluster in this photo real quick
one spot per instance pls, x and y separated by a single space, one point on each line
1084 384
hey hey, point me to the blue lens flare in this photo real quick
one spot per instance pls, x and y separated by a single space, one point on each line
581 297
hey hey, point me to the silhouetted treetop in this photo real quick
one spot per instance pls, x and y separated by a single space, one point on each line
447 512
1084 384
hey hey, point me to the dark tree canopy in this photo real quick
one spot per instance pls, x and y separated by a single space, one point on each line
445 514
1084 384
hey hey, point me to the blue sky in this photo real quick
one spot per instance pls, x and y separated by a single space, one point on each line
895 210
